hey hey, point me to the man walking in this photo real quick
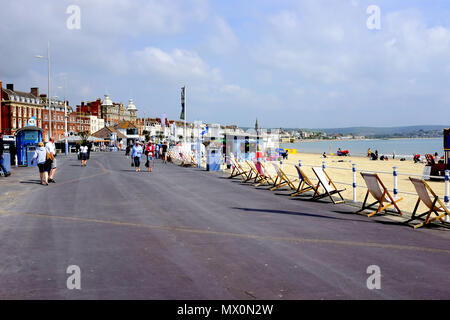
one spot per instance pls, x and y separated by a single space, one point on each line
2 148
51 148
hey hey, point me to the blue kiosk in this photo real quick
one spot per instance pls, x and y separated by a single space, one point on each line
27 139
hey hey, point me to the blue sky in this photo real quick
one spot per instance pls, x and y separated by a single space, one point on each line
288 63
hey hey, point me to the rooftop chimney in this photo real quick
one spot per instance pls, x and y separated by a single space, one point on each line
10 86
35 92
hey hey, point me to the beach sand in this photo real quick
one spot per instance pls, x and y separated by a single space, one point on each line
344 178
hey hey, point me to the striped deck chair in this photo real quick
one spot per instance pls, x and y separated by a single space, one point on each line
304 185
254 174
434 204
381 195
282 179
237 170
263 177
327 184
270 178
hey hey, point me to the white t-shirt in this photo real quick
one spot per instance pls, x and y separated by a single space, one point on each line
83 149
50 147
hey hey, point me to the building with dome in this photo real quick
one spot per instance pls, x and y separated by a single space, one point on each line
113 113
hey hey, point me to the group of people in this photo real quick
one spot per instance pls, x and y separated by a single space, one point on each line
45 157
151 151
374 155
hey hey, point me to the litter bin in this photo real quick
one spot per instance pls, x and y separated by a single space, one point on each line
213 160
7 162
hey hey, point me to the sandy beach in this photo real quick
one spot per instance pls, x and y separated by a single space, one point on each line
344 178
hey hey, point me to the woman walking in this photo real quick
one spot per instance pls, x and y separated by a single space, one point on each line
40 155
84 154
150 152
136 154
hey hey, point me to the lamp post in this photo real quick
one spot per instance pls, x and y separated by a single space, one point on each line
66 143
48 97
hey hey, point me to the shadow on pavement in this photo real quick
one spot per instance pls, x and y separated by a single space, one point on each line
32 181
295 213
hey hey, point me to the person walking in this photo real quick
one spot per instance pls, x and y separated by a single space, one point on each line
136 154
84 150
51 148
164 149
2 149
40 156
150 153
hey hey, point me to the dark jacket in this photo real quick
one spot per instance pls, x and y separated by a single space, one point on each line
2 147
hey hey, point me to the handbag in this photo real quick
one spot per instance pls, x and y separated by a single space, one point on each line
50 156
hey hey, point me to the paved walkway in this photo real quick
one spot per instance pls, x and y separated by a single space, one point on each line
181 233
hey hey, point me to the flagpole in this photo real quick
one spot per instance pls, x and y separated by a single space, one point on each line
185 131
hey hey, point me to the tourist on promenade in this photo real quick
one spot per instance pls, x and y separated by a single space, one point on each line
51 148
157 147
164 149
369 153
127 150
150 153
40 156
136 154
2 148
84 150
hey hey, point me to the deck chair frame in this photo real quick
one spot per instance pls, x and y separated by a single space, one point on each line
265 177
433 208
381 197
282 179
237 170
304 185
330 183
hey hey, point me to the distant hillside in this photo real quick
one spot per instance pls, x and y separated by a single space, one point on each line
407 131
379 132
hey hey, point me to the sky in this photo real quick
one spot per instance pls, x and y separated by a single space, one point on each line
304 63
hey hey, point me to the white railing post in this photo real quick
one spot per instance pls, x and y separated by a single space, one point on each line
395 182
354 181
447 191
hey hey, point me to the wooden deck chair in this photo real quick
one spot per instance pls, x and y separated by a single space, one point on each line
327 184
193 160
382 196
237 170
282 179
304 185
262 170
253 173
434 204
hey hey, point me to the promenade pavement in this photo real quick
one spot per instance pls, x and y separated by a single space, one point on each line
183 233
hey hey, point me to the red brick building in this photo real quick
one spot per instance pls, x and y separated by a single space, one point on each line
17 107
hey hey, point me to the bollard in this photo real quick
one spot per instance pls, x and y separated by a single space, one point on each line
447 191
323 165
354 181
300 163
395 182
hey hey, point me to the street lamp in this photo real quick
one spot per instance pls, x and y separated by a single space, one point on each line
48 97
65 120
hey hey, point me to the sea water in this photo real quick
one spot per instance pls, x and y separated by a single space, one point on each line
402 148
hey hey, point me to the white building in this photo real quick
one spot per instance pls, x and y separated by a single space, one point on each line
96 123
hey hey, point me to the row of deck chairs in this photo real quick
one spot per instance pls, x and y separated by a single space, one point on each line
258 175
184 159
